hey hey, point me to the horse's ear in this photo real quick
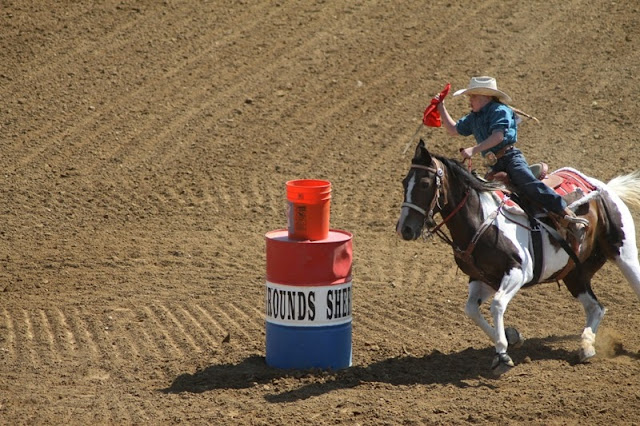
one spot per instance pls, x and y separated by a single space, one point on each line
422 155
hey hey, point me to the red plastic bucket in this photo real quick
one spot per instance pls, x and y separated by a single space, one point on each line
309 205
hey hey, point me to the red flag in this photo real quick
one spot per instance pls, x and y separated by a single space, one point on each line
431 115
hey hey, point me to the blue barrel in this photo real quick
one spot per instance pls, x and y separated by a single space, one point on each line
309 301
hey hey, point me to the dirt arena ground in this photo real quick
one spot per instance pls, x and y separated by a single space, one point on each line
145 147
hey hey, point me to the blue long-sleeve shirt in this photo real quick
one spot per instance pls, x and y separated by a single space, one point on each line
493 116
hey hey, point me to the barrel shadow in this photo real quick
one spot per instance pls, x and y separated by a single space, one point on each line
455 368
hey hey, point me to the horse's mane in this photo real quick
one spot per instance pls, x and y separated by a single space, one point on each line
469 179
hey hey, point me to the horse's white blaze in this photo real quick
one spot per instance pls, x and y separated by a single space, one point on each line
410 185
404 212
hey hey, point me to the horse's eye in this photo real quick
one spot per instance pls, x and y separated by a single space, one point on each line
424 184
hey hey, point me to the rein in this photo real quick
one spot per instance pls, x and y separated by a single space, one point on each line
450 215
463 255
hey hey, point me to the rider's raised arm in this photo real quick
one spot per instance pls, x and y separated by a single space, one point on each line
447 121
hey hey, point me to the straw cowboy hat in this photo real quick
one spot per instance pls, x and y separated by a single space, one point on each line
484 86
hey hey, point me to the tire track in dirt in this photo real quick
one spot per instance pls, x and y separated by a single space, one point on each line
82 334
52 337
226 311
43 339
47 333
161 334
120 322
253 319
99 333
9 348
177 328
391 325
116 41
57 60
202 105
208 316
199 332
147 345
64 332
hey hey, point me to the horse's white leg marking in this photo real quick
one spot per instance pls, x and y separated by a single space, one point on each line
593 310
479 292
511 283
594 313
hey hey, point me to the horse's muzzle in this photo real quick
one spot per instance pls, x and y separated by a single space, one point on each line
407 232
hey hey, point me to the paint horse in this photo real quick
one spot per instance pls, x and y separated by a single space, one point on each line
492 244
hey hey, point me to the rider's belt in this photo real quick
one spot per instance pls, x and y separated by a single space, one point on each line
492 158
503 151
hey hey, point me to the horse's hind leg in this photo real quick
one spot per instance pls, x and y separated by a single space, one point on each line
580 288
627 260
627 254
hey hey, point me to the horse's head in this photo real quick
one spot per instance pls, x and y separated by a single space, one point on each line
422 189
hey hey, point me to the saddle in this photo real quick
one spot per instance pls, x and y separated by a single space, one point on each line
539 170
568 183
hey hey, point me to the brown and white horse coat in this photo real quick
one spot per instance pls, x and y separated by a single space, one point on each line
493 244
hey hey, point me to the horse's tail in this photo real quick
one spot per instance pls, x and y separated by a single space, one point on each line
627 187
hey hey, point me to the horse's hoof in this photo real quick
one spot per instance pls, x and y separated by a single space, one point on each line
586 353
587 345
502 363
514 338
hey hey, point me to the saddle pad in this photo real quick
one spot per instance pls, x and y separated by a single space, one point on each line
569 180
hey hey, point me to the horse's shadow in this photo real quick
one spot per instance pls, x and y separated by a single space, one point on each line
457 368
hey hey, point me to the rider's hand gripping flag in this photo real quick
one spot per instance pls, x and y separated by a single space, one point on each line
431 115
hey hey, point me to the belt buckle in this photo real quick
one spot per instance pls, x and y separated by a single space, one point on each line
490 159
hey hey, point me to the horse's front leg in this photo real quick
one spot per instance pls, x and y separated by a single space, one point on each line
479 292
511 283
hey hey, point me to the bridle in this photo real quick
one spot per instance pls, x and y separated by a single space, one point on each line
439 174
464 255
438 171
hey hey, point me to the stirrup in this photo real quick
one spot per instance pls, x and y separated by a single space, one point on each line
577 220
